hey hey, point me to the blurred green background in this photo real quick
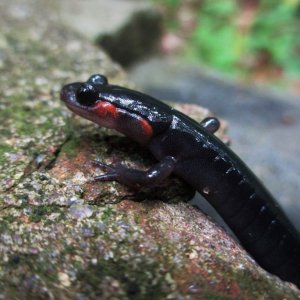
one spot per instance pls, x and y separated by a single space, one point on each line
251 39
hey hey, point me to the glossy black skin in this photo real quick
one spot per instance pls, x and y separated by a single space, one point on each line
191 151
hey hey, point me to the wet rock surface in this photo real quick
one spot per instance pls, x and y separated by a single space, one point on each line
63 236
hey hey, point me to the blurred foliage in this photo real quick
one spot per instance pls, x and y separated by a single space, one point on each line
215 40
223 39
277 30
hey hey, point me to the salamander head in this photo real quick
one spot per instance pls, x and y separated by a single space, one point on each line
132 113
84 99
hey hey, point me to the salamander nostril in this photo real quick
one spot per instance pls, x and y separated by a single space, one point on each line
87 94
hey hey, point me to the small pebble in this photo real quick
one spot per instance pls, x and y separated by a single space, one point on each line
64 279
78 211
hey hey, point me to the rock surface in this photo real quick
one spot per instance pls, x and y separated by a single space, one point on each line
94 17
63 236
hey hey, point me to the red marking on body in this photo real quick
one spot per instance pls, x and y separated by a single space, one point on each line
105 109
146 127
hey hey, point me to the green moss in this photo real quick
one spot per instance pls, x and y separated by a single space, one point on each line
24 200
23 266
250 285
69 249
71 147
107 214
38 212
26 118
5 222
211 296
137 219
3 149
8 218
132 277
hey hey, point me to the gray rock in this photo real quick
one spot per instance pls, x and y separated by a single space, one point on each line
94 17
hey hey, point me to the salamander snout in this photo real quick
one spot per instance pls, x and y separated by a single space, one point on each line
68 92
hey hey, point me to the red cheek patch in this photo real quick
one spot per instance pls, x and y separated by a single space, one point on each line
146 127
106 110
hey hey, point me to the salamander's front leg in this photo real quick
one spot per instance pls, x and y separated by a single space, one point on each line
136 178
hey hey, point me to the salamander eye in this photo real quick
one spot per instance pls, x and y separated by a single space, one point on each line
87 94
98 79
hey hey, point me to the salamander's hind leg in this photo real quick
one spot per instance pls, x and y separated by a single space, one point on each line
211 124
137 178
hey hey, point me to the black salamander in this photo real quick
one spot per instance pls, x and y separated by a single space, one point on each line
190 150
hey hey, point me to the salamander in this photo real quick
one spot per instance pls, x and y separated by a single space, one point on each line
191 151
